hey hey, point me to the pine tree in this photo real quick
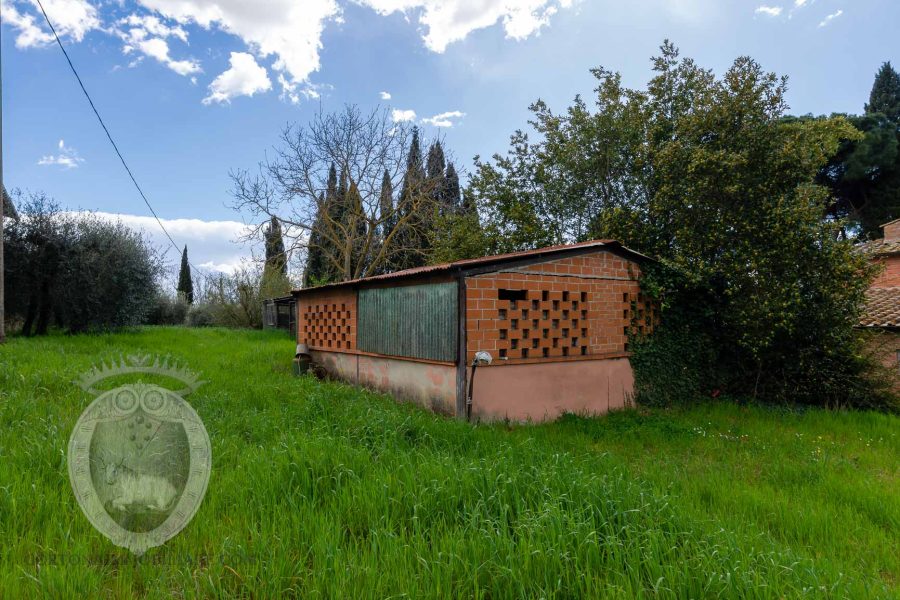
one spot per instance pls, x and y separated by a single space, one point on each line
885 96
185 287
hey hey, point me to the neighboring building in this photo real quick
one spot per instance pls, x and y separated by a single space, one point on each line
280 313
555 322
882 311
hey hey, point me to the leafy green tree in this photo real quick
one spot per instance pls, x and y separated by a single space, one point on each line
705 174
185 284
76 271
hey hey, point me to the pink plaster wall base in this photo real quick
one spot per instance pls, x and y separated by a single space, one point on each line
430 385
544 391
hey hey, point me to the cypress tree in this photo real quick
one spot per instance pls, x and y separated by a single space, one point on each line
437 181
315 271
319 268
276 259
386 205
452 193
885 96
410 236
354 220
185 287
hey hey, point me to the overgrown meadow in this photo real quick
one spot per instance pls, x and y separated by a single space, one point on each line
320 490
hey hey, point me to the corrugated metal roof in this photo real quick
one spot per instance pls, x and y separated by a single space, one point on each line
497 259
882 308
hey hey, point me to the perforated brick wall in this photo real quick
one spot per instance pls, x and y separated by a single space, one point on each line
565 309
328 320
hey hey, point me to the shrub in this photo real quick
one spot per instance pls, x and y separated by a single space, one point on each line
167 310
202 315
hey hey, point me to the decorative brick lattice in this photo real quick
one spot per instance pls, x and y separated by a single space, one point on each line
329 326
639 314
542 323
577 308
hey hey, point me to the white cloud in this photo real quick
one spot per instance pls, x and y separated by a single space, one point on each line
153 25
444 119
67 158
286 29
71 18
449 21
211 245
385 95
403 115
244 78
831 18
147 34
769 11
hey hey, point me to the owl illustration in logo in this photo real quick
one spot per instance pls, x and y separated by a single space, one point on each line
139 456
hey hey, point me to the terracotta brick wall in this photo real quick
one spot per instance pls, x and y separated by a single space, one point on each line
890 277
327 320
568 308
892 231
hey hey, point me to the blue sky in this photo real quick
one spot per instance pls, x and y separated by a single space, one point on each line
194 88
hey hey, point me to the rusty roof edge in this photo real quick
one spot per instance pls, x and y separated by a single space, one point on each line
459 267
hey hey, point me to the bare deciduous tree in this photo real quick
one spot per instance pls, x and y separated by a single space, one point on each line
364 236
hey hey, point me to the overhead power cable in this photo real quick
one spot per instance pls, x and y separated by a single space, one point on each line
106 131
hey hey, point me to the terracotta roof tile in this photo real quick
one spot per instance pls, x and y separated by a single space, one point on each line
880 247
882 308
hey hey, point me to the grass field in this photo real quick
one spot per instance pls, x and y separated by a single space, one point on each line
319 490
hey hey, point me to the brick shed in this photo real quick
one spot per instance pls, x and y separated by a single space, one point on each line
555 321
881 315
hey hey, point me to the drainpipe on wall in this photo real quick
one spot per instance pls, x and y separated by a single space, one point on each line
481 358
461 346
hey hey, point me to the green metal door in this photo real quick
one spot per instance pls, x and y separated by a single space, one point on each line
415 321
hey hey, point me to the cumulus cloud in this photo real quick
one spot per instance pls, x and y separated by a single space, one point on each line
445 119
71 18
288 30
831 18
244 78
769 11
385 95
147 34
212 245
403 115
449 21
67 158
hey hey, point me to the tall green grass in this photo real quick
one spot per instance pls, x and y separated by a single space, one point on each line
320 490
